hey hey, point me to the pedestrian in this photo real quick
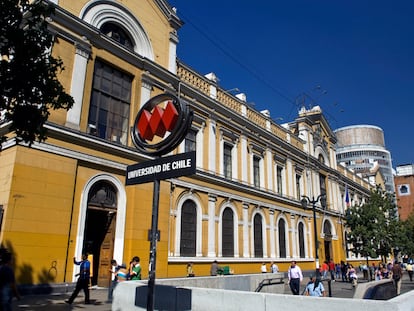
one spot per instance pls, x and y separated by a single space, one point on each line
214 268
114 277
315 288
409 268
352 275
378 273
263 268
274 268
190 271
331 265
324 269
295 276
83 279
8 288
135 269
397 273
338 271
344 270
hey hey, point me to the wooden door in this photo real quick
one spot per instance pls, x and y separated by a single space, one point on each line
106 253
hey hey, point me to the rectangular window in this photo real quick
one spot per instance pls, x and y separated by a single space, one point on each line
227 162
298 187
190 141
279 171
256 171
110 103
322 184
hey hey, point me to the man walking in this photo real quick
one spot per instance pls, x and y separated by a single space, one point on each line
409 268
295 277
83 280
397 272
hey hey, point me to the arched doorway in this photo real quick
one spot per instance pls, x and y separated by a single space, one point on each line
327 230
99 235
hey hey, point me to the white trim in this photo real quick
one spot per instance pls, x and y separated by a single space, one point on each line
199 210
120 216
98 12
287 250
264 235
305 238
235 230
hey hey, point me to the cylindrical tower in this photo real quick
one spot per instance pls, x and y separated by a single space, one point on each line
360 147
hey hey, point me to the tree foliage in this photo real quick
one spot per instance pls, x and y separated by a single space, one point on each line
406 234
373 227
29 87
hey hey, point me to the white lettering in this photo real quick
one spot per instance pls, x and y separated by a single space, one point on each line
144 171
176 165
166 167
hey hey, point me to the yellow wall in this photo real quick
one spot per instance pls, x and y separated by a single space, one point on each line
38 214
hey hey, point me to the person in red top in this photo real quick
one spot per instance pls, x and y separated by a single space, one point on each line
324 269
332 269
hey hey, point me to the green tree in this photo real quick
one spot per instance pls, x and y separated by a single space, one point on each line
29 87
373 226
406 236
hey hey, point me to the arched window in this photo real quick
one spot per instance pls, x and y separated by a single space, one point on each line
103 195
101 13
301 240
282 238
227 233
327 229
258 236
188 229
118 34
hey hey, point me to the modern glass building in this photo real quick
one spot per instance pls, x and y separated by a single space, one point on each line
362 149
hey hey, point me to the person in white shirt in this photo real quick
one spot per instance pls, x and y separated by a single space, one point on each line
295 276
263 268
274 268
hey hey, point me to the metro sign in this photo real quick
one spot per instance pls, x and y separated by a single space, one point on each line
161 125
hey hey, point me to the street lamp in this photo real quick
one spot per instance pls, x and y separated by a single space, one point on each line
305 201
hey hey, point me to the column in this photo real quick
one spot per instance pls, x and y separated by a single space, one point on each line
272 233
146 88
269 169
172 55
310 237
211 252
200 145
246 250
293 231
77 88
243 149
212 146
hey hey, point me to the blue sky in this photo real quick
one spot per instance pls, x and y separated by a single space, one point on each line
354 58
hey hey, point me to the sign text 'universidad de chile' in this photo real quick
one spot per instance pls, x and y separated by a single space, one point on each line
182 164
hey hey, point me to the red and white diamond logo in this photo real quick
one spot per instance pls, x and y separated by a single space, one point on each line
161 124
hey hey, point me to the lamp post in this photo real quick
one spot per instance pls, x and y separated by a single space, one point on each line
305 201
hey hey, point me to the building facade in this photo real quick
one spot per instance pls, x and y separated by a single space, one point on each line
404 182
67 195
362 149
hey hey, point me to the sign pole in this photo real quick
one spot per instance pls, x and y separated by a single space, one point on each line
153 246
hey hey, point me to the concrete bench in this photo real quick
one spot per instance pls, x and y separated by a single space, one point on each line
376 290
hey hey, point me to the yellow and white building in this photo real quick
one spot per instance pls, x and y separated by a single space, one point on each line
242 207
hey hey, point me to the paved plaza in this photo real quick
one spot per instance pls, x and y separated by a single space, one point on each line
99 297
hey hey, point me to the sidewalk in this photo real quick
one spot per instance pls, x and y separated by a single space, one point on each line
99 302
98 299
341 289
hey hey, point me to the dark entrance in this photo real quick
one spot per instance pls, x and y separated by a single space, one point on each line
100 231
327 230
